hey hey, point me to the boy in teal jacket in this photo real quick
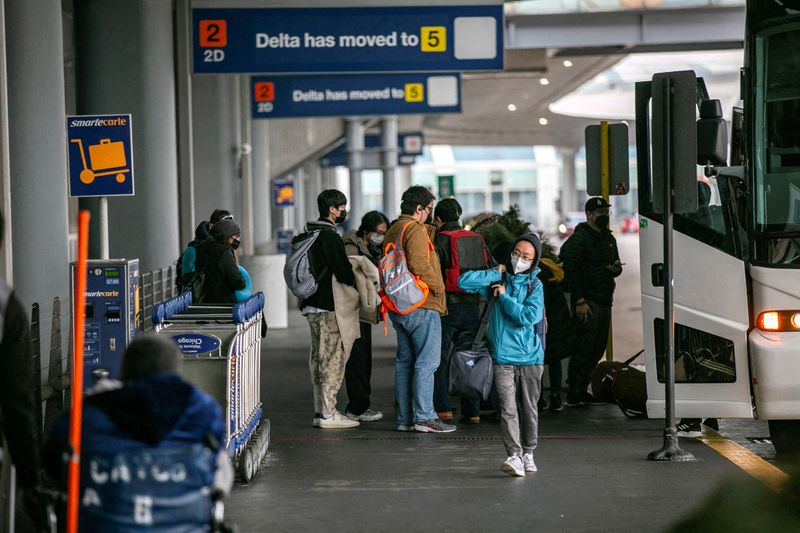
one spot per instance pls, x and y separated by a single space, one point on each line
515 336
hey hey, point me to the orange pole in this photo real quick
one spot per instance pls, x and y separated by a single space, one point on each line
76 415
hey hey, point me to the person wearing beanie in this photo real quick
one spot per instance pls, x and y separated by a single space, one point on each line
518 355
219 265
150 408
186 262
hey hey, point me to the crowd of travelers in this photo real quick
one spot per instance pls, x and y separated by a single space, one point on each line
436 282
431 278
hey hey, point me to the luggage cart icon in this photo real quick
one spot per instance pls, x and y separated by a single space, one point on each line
103 156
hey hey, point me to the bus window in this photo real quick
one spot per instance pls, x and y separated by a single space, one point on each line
701 357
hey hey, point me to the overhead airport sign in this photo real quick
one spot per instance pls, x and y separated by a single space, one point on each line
409 145
348 39
100 152
355 94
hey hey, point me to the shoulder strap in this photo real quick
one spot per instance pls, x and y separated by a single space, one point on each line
485 317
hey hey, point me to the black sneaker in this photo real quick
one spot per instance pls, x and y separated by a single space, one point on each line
433 426
689 427
541 405
711 423
556 403
589 399
573 400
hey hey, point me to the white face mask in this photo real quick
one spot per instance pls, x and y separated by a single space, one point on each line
376 239
519 264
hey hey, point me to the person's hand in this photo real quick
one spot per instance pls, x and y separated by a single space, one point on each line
499 290
582 310
501 269
615 268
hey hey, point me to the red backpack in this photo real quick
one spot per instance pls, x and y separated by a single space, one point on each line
467 252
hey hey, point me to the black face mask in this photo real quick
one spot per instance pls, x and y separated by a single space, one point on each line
429 220
602 221
342 217
235 244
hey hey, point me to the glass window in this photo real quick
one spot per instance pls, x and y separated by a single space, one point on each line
700 357
526 201
521 178
471 179
472 203
777 187
498 206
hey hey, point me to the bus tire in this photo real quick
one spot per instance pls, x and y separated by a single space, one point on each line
785 435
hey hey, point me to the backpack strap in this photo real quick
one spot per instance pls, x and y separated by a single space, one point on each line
476 343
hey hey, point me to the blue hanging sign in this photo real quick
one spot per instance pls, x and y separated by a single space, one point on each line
100 151
348 39
355 94
409 146
282 193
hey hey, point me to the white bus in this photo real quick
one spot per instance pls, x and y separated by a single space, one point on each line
737 259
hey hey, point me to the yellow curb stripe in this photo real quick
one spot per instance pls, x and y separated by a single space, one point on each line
770 475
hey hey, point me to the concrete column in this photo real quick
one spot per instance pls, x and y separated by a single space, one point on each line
183 77
125 64
299 209
214 117
262 195
569 193
6 265
245 152
389 154
355 163
37 157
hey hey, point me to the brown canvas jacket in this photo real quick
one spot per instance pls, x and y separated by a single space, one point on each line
423 261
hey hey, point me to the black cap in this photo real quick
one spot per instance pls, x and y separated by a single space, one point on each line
595 203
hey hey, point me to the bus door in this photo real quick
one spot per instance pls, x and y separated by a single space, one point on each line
712 319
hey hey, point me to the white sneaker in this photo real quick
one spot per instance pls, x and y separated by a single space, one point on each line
367 416
527 462
337 421
513 466
317 418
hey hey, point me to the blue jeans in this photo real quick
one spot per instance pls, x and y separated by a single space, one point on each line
460 318
419 347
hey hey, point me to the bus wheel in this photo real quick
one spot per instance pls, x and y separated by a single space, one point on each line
785 435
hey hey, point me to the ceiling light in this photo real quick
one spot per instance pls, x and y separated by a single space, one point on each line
567 63
512 107
543 121
544 81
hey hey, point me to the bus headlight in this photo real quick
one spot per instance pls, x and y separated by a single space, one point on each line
779 321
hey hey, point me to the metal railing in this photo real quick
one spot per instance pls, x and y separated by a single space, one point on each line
154 287
522 7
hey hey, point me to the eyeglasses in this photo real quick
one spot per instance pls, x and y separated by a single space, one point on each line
524 257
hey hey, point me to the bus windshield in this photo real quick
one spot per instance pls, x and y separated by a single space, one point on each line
777 165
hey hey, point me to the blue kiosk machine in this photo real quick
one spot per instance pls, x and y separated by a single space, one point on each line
113 316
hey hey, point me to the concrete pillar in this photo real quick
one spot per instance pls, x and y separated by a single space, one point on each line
245 153
569 193
214 116
183 78
262 194
125 64
389 154
6 265
37 156
300 218
355 163
547 187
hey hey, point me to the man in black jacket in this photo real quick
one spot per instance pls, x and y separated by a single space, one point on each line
463 310
591 262
327 258
17 403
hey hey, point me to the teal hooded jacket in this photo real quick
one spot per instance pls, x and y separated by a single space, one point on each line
510 333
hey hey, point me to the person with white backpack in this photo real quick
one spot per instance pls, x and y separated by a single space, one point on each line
317 256
413 292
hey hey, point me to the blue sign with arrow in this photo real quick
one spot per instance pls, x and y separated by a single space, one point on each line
355 94
349 39
100 152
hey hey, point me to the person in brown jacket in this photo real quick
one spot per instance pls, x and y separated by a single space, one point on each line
419 333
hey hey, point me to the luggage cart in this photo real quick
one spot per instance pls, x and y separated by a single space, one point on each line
220 348
103 156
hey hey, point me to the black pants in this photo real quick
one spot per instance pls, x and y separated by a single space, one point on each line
358 371
593 336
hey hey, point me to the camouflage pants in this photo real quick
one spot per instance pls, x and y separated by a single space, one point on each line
327 361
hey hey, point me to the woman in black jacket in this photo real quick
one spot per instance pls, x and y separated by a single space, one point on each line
216 259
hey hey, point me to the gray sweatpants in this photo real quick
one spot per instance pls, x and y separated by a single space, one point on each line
517 390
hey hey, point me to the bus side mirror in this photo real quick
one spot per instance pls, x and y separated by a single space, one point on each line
712 135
